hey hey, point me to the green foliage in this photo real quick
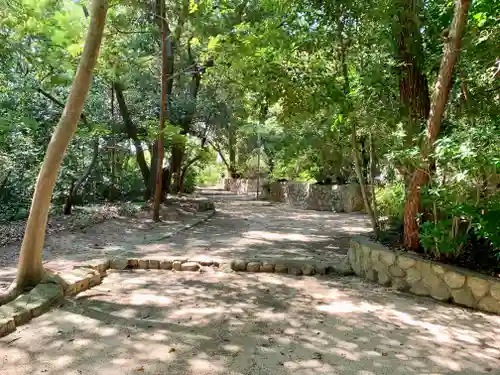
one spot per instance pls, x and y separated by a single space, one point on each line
390 201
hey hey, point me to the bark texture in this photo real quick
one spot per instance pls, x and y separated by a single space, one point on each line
163 103
440 96
133 134
30 269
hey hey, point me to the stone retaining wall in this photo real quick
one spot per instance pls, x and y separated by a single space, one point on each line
411 273
337 198
241 186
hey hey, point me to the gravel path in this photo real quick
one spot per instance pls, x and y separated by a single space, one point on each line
164 322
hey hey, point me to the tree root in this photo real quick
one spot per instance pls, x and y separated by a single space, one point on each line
11 293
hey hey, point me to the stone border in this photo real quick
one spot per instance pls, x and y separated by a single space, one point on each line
57 285
85 276
408 272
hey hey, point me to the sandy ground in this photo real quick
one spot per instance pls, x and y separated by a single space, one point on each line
158 322
242 227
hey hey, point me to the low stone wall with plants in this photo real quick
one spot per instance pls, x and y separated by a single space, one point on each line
241 186
337 198
411 273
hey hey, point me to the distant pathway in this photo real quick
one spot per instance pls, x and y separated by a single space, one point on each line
242 227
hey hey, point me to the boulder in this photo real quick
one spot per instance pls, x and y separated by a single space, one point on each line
479 287
239 265
308 270
267 267
280 268
253 267
190 266
166 265
454 279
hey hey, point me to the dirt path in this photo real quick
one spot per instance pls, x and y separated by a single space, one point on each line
165 322
158 322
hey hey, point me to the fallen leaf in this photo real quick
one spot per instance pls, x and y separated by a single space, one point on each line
171 350
140 369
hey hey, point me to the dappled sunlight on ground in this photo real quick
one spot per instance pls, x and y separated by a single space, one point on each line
157 322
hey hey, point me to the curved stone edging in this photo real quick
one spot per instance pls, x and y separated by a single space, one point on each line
41 298
422 277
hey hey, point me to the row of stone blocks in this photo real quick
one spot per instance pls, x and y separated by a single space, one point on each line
49 292
55 286
408 272
296 268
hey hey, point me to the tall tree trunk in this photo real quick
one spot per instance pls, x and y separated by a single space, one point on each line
413 85
30 269
451 50
132 133
163 102
95 153
371 173
361 179
232 152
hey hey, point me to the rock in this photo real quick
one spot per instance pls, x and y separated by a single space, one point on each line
454 280
166 265
15 310
176 265
430 279
388 257
226 267
294 270
419 289
375 256
380 267
154 264
366 262
399 283
308 270
479 287
42 297
438 269
143 264
495 290
321 269
396 271
133 263
463 297
280 268
413 275
405 262
267 267
253 267
383 278
488 304
7 325
343 268
440 291
239 265
371 275
118 263
190 266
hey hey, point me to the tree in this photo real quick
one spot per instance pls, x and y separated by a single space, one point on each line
440 96
30 269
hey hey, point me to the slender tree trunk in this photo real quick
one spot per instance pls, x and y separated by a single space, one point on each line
163 102
371 174
30 269
81 181
132 133
439 100
361 178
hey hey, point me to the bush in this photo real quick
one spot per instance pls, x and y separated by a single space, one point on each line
391 200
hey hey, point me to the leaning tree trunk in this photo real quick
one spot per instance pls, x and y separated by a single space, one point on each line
439 100
30 269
